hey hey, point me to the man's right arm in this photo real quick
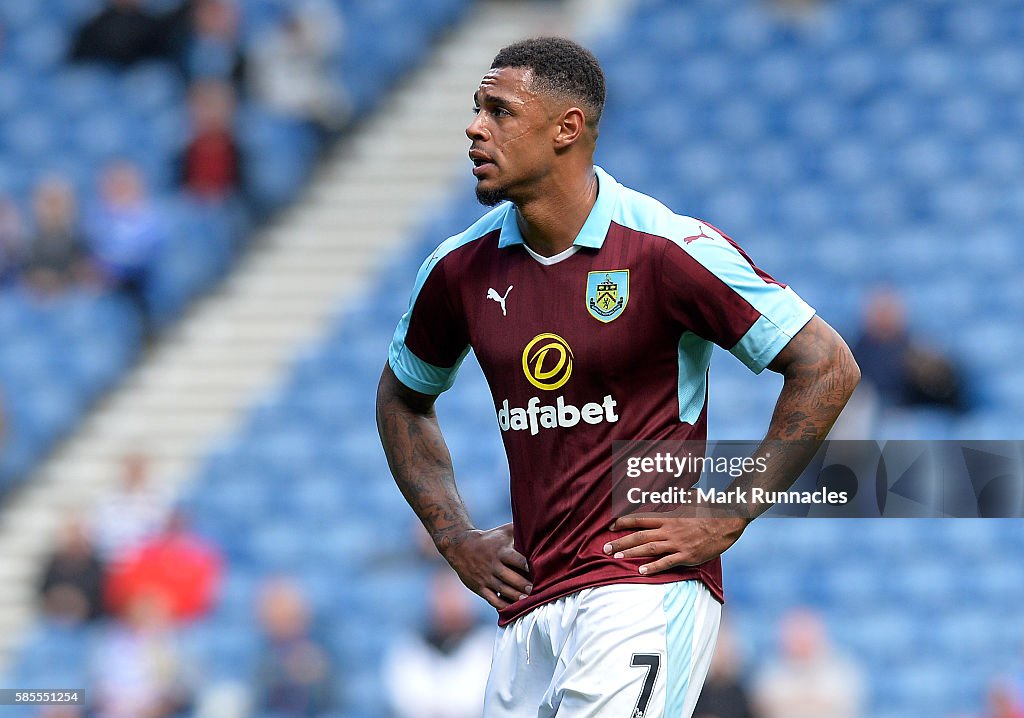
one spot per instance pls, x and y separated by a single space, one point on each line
419 460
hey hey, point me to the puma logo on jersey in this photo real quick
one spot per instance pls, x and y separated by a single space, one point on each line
492 294
695 237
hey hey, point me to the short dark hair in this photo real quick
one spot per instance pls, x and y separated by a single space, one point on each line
561 67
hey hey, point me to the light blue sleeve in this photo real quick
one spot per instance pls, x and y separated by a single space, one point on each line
438 341
410 369
782 312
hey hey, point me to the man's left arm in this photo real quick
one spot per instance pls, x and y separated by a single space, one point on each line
819 375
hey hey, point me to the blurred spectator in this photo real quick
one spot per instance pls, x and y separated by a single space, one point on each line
901 370
211 163
809 679
55 257
176 565
122 33
441 673
72 585
139 669
724 694
1003 701
12 239
211 50
134 512
126 234
295 673
293 69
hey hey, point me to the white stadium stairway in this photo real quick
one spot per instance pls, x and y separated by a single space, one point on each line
235 345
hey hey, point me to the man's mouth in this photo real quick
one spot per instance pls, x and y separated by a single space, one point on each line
481 162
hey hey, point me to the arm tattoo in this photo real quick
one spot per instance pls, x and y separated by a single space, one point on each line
819 378
820 375
419 461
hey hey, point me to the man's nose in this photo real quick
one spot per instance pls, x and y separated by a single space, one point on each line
477 130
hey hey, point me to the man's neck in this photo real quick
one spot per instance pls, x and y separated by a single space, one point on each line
550 222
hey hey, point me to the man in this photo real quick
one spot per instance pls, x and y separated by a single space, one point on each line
123 33
440 670
126 233
592 310
295 671
809 677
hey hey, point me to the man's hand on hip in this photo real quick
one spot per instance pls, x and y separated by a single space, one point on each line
677 541
489 565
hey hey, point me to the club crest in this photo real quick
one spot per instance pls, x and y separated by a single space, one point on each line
607 294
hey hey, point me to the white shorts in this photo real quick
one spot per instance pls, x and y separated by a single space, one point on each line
617 651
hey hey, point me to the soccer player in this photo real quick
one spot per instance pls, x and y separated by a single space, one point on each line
592 310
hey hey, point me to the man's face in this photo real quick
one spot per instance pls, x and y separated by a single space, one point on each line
512 135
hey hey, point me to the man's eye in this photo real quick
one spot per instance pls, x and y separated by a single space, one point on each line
475 110
501 112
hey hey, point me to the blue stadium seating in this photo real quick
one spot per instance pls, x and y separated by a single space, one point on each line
70 120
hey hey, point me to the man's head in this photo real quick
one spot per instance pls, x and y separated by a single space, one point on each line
885 315
539 104
212 106
284 611
451 610
54 203
121 185
803 636
134 471
216 19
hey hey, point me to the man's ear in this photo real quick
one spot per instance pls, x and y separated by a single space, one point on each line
571 126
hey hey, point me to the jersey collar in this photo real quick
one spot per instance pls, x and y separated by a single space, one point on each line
594 230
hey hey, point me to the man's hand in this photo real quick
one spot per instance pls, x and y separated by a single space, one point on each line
488 565
819 376
678 541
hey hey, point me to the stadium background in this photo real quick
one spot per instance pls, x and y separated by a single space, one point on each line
844 144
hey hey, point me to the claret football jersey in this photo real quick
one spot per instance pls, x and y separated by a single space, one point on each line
609 340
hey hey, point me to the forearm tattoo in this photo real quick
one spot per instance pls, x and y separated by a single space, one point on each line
421 465
820 375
